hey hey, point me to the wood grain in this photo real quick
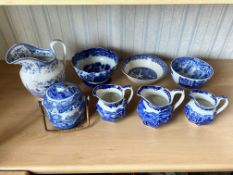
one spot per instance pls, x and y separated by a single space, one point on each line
125 146
110 2
14 173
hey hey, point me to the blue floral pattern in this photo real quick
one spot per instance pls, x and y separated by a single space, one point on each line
197 118
191 83
142 73
154 119
40 68
191 72
98 72
112 111
65 104
112 116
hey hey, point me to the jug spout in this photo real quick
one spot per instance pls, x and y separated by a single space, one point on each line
144 92
30 57
21 53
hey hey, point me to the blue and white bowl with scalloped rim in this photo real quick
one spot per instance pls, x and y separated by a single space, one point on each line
65 105
95 66
190 72
144 68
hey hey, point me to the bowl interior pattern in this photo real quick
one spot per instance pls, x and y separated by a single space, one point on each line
144 67
95 60
193 68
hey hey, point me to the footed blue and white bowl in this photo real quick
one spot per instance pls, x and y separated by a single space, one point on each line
144 69
191 72
95 66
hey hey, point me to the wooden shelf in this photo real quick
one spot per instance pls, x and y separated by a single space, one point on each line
110 2
14 173
125 146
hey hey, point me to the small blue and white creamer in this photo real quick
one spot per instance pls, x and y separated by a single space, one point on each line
40 67
155 108
202 107
65 105
111 105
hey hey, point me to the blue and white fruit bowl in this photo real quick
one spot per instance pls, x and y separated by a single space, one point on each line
144 69
95 66
190 72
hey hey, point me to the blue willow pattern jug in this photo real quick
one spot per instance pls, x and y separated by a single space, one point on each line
155 108
40 67
112 103
203 107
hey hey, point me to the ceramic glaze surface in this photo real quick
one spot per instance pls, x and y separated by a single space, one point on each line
65 105
155 108
144 69
191 72
112 104
95 66
202 108
143 73
40 68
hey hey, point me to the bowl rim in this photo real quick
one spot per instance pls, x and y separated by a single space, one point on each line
151 56
195 79
88 50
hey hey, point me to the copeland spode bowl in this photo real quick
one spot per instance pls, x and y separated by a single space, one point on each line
190 72
95 66
144 68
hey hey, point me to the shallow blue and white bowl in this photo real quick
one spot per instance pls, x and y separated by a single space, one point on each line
144 68
95 66
65 105
191 72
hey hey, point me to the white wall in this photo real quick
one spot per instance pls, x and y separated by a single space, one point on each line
169 31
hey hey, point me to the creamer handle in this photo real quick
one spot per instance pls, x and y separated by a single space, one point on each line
58 41
128 87
177 91
219 99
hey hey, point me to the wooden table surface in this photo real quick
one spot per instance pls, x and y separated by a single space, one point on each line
125 146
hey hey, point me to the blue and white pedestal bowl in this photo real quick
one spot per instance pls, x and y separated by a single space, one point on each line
144 69
65 105
191 72
95 66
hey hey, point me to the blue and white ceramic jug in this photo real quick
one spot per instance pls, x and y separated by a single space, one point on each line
155 108
65 105
40 67
202 107
112 104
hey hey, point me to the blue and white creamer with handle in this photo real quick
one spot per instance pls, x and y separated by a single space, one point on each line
112 103
155 108
203 107
40 67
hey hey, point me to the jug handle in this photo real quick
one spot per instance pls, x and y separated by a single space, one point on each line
58 41
128 87
219 99
177 91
